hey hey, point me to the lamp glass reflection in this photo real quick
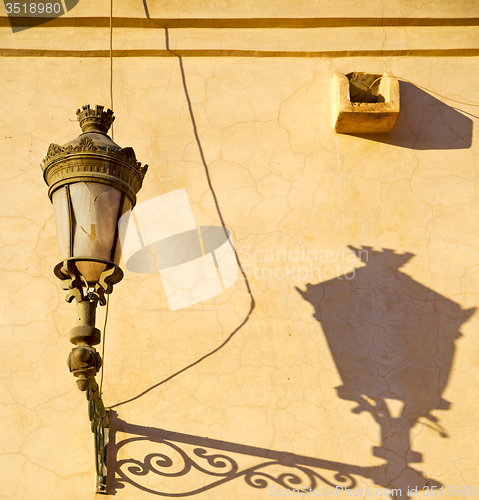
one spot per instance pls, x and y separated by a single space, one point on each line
86 219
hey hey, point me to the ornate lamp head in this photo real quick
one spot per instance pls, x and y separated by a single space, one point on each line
92 183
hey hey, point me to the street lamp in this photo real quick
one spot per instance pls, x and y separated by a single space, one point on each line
92 183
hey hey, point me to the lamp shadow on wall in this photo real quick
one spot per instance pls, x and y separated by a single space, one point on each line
425 122
393 342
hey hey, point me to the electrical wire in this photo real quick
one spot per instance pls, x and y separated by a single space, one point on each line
424 88
112 136
86 284
104 332
111 64
103 345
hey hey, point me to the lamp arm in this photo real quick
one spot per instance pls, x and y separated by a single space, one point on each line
100 426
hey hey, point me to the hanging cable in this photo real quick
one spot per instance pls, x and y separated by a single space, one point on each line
103 345
86 284
111 64
112 136
425 89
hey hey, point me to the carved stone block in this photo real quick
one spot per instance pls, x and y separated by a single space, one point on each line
364 103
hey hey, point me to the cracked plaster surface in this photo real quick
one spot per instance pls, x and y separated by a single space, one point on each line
286 184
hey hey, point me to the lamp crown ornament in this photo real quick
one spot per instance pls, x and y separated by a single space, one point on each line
94 157
368 255
95 120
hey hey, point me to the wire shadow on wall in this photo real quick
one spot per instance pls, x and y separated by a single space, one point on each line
223 225
425 122
393 341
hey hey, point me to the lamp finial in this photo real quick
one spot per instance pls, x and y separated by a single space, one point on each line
95 120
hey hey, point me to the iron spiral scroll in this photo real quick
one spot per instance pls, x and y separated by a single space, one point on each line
175 462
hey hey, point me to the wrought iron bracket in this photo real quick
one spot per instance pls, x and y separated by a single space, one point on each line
100 426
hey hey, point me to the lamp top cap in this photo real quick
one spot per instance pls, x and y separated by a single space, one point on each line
95 120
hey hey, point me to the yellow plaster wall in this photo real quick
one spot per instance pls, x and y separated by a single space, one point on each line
255 370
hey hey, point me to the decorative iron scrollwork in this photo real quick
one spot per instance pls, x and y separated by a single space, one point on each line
175 462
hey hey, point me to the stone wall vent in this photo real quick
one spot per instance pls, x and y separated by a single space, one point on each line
364 103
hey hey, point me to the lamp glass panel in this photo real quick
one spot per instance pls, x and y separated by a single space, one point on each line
95 209
62 221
